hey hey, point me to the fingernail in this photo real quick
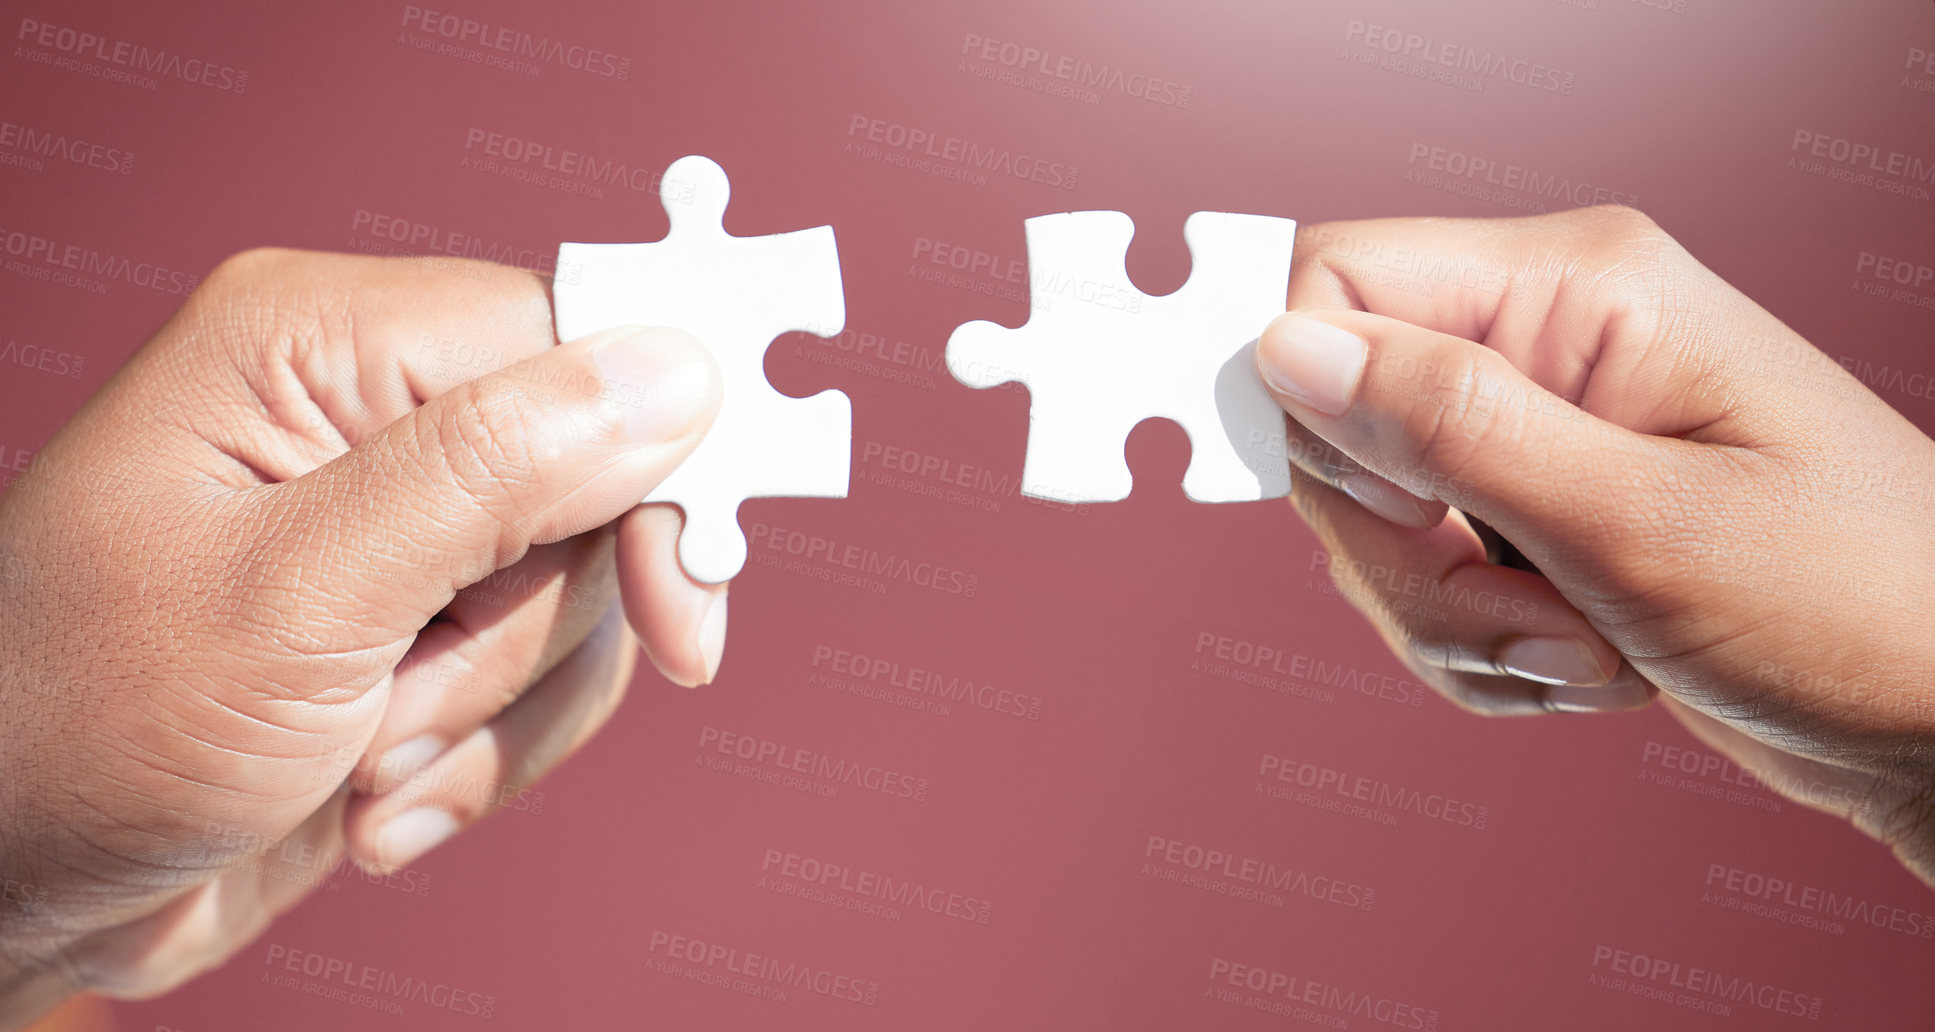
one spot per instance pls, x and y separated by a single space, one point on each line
1599 698
411 834
1312 363
403 762
662 380
1555 661
1387 500
712 635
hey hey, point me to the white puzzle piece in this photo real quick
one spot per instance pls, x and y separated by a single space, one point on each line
1099 356
735 294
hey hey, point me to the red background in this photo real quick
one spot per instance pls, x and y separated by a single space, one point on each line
550 909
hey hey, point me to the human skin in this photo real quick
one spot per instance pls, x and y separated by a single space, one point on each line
249 582
340 561
1694 502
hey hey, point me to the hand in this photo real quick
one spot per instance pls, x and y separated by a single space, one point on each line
1691 498
328 565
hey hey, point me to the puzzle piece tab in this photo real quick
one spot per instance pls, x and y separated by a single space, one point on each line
735 294
1099 356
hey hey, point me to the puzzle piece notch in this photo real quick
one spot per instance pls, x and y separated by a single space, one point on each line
735 294
1098 356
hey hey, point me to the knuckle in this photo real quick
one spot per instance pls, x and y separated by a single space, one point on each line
1621 220
1451 424
1634 264
246 267
1401 604
1899 808
1308 500
1316 456
1461 690
484 444
257 274
254 306
1459 693
459 791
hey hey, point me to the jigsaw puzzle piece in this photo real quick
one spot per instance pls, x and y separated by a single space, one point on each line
1067 253
1098 356
1239 271
735 294
1077 460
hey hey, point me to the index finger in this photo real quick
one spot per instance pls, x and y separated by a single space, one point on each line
295 357
1598 306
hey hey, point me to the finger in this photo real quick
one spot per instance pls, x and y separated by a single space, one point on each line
1599 306
1325 462
1810 782
1502 695
485 649
499 761
1445 418
1459 276
681 621
553 446
1494 640
332 347
199 930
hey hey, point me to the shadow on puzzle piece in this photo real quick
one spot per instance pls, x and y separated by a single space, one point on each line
735 294
1099 356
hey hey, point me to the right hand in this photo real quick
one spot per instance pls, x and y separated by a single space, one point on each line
334 564
1702 504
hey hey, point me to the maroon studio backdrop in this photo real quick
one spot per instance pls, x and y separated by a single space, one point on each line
1125 766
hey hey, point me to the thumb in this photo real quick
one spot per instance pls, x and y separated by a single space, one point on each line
1449 419
558 444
